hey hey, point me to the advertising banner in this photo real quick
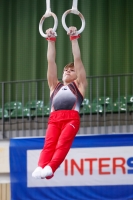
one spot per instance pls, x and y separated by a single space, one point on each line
96 167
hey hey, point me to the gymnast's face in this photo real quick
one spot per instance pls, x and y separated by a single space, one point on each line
69 75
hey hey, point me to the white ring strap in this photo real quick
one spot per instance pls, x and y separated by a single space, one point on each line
47 14
75 11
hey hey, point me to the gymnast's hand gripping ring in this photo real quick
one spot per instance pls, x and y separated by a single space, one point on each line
47 14
75 11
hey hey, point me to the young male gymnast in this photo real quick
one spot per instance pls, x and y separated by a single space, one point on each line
65 99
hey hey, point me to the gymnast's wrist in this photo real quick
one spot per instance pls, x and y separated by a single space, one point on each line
52 39
74 37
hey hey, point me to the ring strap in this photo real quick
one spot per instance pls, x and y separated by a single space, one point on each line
74 37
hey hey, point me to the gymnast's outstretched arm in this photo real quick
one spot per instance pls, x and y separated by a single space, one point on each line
52 67
81 80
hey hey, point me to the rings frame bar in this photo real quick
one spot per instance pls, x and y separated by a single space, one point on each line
47 14
75 11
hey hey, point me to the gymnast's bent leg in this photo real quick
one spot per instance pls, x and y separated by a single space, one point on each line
65 140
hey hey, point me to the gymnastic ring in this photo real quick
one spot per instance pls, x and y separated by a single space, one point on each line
77 13
42 21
